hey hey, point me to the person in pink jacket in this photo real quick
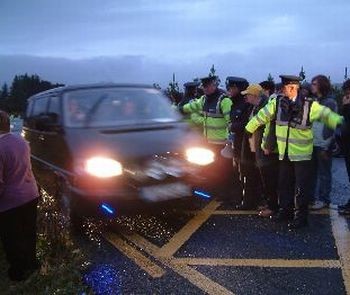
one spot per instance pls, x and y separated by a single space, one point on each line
18 203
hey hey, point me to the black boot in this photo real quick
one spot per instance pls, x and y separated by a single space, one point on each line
300 219
301 210
282 215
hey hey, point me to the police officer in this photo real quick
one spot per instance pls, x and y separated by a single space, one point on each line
239 115
294 116
190 92
214 107
195 119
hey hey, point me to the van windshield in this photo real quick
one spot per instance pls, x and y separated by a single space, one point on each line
108 107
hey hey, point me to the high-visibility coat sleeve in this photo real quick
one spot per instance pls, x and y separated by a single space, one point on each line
325 115
197 119
226 105
194 106
264 116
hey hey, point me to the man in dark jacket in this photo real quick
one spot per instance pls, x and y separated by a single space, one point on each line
345 209
18 202
265 165
243 172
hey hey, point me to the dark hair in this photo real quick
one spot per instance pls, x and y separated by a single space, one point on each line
324 85
4 122
268 85
346 85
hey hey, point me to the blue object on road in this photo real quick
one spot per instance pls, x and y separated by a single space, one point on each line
107 209
201 194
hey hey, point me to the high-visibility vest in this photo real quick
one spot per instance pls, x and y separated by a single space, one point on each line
215 120
294 132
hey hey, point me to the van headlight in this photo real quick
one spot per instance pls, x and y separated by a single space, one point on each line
200 156
103 167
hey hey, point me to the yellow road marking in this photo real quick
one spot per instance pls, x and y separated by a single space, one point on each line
143 262
251 212
283 263
342 240
187 231
196 278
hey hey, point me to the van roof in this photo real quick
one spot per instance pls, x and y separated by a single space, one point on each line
62 89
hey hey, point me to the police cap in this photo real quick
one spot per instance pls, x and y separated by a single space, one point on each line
239 82
290 79
208 79
192 84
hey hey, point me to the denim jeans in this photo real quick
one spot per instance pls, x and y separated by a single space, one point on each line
321 184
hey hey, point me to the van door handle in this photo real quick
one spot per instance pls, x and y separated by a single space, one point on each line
41 137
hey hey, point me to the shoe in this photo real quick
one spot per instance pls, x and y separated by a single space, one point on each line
344 212
333 206
300 218
297 223
245 207
344 207
266 213
282 215
318 205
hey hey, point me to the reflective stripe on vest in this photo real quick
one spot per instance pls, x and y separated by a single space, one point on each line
209 127
221 142
295 140
297 157
212 115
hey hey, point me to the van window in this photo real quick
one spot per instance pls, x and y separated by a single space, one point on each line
55 107
29 108
40 106
114 107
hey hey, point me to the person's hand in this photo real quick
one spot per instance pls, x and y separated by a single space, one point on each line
346 99
266 151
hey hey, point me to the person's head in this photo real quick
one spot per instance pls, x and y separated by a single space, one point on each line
305 90
235 85
268 87
291 85
253 94
320 86
4 122
346 90
73 105
209 85
191 89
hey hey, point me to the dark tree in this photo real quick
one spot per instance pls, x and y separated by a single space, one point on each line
22 87
4 93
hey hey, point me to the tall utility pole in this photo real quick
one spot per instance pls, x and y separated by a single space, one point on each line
302 73
346 73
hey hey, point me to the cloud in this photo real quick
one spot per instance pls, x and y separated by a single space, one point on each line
150 39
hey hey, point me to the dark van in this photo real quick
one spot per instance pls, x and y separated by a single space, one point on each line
113 147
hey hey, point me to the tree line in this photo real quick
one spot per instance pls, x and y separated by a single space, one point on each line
13 98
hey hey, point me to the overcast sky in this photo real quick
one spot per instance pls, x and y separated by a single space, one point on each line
80 41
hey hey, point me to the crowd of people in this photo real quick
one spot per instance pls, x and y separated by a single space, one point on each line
273 143
273 146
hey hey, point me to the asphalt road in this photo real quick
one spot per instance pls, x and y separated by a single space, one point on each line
217 250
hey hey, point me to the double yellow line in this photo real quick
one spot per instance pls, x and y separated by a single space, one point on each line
148 256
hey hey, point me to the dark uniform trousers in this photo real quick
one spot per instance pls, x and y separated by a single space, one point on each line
294 182
18 236
269 177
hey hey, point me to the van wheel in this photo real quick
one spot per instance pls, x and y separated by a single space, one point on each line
70 218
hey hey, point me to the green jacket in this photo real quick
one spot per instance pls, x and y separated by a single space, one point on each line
294 132
213 114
